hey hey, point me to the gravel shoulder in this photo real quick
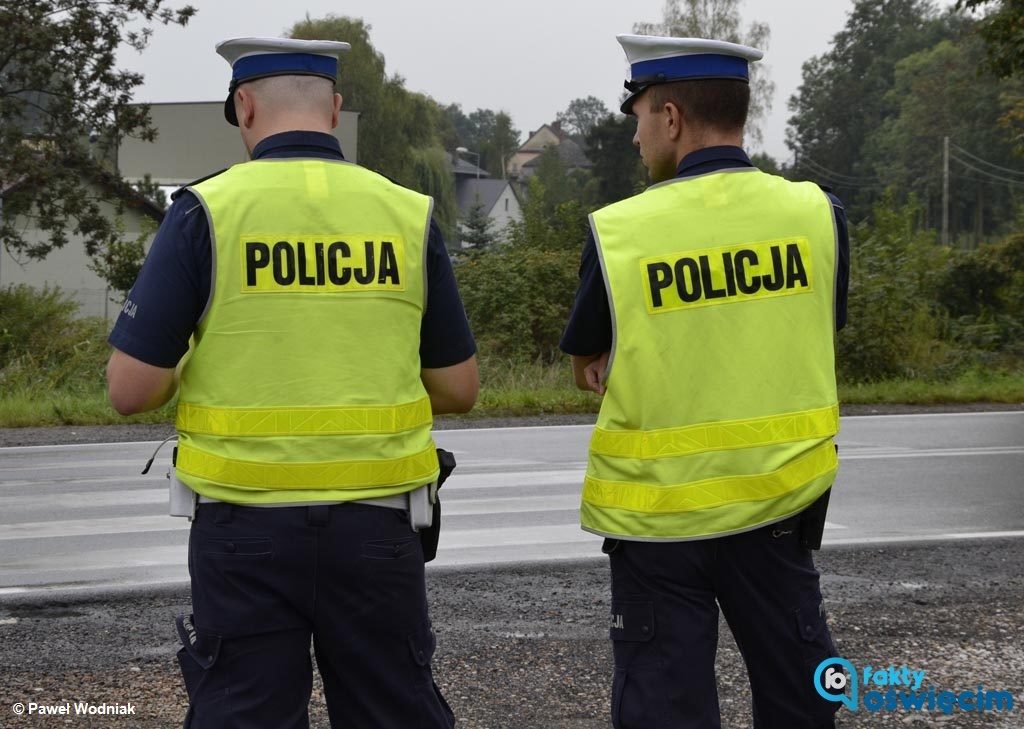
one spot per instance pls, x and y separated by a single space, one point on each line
526 646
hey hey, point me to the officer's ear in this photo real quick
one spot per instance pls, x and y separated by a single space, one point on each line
673 120
337 110
245 107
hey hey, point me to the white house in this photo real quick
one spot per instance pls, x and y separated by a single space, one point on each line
193 141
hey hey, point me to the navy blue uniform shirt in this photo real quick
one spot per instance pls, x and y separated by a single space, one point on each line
173 286
590 325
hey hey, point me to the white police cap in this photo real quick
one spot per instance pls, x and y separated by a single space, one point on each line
253 58
658 60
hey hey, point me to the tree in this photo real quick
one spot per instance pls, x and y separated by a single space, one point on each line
581 115
844 94
1003 33
766 163
401 132
931 90
720 19
487 133
499 144
518 296
64 106
478 228
618 171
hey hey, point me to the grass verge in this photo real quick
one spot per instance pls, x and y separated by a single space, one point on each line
512 389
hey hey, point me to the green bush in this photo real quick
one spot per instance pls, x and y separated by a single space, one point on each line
518 300
983 294
893 327
518 295
45 346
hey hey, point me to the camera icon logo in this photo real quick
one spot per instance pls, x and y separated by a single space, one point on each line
832 683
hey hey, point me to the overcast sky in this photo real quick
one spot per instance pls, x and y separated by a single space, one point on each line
528 57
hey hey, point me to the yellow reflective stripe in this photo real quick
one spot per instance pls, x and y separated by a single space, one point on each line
728 435
303 421
648 499
421 467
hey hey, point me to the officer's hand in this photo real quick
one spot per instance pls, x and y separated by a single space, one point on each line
594 372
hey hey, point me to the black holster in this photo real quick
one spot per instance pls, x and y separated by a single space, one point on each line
430 535
812 522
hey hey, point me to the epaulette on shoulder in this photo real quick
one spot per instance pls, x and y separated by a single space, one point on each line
178 193
825 188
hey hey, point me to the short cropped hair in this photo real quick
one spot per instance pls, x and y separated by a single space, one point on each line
717 103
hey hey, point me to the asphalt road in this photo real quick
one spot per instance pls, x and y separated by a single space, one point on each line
76 516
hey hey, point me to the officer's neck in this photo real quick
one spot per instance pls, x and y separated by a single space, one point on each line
693 140
257 132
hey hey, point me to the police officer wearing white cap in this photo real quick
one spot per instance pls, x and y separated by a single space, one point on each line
326 331
705 316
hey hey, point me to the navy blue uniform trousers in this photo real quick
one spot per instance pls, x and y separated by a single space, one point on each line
268 581
665 602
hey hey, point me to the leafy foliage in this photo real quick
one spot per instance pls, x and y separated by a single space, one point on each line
618 171
855 74
401 134
45 345
931 89
1003 33
63 107
582 115
487 133
892 330
119 261
518 295
477 231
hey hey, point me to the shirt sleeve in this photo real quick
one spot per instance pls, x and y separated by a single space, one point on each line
842 260
171 290
589 330
445 336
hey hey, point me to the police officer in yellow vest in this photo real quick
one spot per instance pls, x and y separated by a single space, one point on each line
706 316
326 331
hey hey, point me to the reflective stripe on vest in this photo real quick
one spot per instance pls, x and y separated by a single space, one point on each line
421 467
303 421
667 442
721 402
303 380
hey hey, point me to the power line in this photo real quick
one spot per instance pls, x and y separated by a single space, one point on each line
983 180
964 152
827 177
853 179
986 173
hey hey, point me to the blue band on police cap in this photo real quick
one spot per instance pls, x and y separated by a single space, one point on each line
280 64
697 65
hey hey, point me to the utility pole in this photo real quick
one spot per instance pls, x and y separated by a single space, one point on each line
945 191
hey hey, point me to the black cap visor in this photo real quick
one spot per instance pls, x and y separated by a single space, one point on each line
229 103
638 86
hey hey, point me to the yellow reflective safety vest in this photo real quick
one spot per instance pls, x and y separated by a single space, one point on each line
721 402
303 381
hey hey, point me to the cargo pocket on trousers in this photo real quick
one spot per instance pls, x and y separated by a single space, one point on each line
638 695
815 641
197 656
434 709
816 645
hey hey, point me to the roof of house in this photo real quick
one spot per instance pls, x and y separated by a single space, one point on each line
462 167
118 189
533 144
569 152
468 192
